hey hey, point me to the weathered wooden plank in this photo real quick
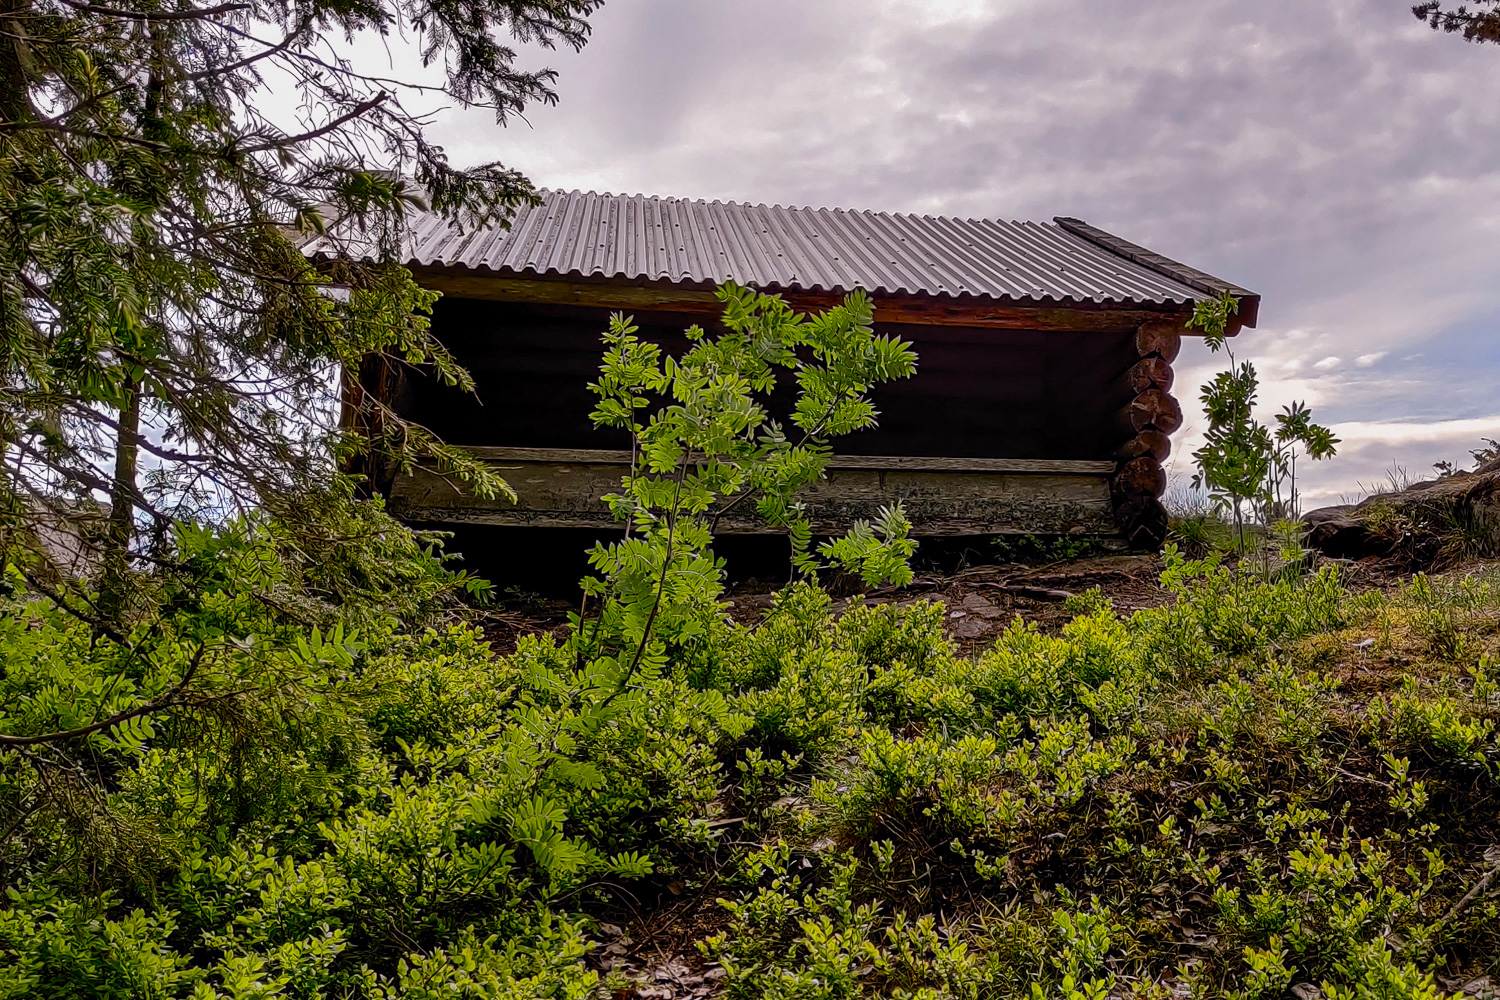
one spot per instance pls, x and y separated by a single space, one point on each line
918 463
570 494
915 309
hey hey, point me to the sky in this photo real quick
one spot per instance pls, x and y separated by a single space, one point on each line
1336 156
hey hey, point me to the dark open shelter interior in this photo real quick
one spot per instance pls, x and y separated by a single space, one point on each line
978 393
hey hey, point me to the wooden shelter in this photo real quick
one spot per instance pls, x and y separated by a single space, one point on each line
1042 402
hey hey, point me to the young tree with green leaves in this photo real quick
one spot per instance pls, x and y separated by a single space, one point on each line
1248 468
703 443
169 355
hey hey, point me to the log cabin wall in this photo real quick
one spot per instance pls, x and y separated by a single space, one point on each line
1147 422
1042 401
1001 430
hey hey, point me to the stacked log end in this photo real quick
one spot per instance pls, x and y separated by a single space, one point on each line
1147 422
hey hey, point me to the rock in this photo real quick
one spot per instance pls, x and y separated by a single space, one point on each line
971 628
979 605
1484 988
1337 532
1430 523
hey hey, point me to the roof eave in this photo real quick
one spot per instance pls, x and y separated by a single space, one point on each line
776 288
1249 302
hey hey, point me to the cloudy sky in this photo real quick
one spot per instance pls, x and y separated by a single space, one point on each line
1335 155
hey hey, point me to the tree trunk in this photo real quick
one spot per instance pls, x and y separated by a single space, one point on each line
114 588
368 391
15 105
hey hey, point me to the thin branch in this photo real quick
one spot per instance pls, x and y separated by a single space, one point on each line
1473 894
165 15
93 620
293 140
154 705
661 584
248 60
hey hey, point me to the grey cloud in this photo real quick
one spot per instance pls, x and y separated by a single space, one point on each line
1335 155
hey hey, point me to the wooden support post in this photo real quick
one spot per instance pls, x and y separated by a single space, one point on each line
1147 422
368 396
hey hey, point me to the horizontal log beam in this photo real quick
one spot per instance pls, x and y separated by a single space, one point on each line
921 310
570 494
1152 409
1140 477
916 463
1148 442
1162 339
1143 521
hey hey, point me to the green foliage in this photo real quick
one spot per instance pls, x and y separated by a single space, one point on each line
1487 452
788 943
1197 527
703 442
712 443
1032 549
1236 614
376 805
1243 462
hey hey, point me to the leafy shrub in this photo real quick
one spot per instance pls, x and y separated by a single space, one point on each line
1094 664
354 804
817 944
1236 614
436 685
1436 725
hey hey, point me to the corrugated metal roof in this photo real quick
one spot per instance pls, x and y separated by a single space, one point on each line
646 238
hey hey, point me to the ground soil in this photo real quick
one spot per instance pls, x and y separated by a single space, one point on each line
982 600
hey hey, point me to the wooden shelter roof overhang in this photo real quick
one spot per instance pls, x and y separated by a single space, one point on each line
698 299
637 252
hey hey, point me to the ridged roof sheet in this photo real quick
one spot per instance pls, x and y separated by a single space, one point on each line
646 238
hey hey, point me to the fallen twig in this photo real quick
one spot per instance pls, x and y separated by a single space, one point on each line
1474 893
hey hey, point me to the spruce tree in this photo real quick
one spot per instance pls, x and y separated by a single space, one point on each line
167 349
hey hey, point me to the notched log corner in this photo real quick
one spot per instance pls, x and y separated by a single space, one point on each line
1146 423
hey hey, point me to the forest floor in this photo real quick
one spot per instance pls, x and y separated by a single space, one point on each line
982 600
